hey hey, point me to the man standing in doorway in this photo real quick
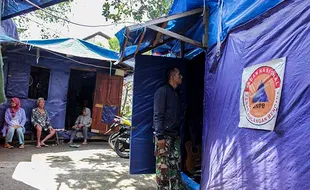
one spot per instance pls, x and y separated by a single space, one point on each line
167 122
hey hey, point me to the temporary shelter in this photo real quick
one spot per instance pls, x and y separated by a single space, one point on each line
239 34
68 73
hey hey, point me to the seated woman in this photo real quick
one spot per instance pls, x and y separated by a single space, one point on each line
15 119
40 121
83 122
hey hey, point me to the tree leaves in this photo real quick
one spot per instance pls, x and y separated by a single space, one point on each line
40 17
117 10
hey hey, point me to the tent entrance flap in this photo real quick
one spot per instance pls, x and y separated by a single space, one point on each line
149 76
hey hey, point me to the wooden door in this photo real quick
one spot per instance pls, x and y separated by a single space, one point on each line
108 92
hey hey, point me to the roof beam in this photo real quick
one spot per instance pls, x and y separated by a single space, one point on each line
176 36
165 19
124 45
205 39
159 34
148 49
140 41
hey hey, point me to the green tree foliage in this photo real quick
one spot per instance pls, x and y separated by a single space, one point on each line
114 44
49 15
139 10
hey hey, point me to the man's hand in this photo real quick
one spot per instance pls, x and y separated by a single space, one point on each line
80 126
161 144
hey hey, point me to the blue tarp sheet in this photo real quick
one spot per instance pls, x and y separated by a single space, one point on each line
149 76
9 28
237 158
75 47
229 13
12 8
108 114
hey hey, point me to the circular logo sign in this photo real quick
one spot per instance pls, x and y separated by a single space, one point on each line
261 95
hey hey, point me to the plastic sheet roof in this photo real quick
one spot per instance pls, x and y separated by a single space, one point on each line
75 47
67 48
229 13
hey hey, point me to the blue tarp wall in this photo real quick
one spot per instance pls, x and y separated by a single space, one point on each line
237 158
17 72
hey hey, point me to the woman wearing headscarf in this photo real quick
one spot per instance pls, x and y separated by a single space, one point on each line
83 122
15 119
41 121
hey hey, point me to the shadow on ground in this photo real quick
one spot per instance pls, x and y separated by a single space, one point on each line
91 167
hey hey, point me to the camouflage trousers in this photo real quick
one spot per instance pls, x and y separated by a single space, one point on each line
168 176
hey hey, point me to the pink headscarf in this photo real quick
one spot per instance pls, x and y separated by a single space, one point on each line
16 108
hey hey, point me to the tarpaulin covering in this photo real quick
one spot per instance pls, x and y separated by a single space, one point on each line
75 47
149 76
108 114
189 183
9 28
237 158
12 8
224 16
17 85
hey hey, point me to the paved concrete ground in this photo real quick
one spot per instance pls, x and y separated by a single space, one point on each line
94 166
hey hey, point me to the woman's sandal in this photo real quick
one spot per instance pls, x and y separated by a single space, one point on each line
8 146
43 144
38 146
21 146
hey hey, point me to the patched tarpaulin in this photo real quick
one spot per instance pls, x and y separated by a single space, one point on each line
237 158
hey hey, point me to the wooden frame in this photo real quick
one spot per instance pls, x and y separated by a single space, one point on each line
159 26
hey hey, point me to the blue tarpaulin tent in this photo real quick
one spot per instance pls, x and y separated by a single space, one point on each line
254 32
59 56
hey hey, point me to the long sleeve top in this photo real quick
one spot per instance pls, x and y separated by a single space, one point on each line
166 118
19 119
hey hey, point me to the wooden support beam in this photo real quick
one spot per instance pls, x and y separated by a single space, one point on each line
205 37
182 48
148 48
158 36
140 41
166 19
124 45
176 36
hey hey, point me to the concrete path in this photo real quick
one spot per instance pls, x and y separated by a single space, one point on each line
94 166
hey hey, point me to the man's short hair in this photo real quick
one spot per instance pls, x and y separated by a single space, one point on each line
169 73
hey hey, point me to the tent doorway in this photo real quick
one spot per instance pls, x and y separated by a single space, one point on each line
80 94
192 139
149 76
